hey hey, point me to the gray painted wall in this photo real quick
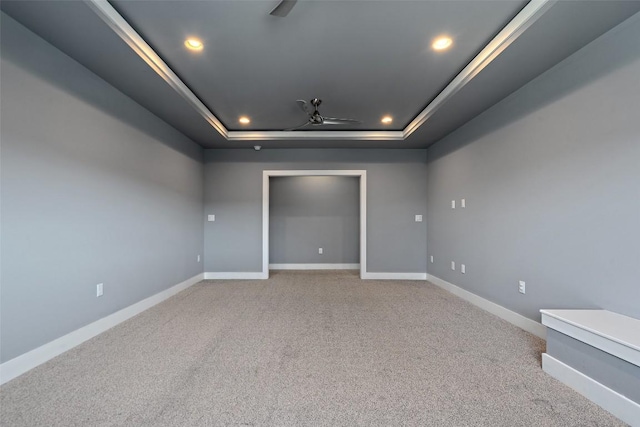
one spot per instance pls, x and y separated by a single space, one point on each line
396 192
551 176
95 189
311 212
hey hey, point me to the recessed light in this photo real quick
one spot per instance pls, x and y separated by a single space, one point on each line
193 44
442 43
386 120
244 120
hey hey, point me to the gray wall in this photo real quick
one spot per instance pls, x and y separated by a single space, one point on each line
311 212
396 192
551 176
94 189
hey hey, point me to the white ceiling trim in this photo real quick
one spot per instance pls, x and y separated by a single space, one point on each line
315 135
523 20
122 28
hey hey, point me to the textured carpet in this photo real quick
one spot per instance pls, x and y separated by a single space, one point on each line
304 349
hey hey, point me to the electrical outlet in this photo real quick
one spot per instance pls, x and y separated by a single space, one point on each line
320 251
211 218
463 203
453 204
463 269
418 218
453 265
198 258
521 287
99 289
431 259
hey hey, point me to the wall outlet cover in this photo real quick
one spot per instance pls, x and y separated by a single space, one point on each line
99 289
463 203
463 269
453 265
418 218
431 259
453 204
211 218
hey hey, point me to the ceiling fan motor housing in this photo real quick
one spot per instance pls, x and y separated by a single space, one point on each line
315 118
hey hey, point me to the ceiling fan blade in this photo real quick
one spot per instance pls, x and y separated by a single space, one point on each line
303 106
283 8
299 127
335 121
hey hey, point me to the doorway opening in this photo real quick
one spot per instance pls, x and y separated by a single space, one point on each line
360 174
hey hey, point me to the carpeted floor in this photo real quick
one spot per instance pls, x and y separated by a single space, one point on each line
303 349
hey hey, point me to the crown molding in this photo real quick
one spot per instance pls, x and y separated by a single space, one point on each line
518 25
357 135
121 27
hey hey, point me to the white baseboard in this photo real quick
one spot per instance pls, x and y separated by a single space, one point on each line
620 406
394 276
27 361
510 316
226 275
314 266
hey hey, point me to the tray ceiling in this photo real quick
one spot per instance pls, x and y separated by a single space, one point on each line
364 59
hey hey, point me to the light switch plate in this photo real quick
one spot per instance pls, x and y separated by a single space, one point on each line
453 204
211 218
99 289
453 265
521 287
431 259
463 269
463 203
320 251
418 218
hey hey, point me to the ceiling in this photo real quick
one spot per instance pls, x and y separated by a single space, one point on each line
364 59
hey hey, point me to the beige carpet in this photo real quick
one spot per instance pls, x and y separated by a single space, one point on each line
303 349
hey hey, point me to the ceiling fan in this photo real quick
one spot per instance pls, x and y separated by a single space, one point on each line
315 119
283 8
